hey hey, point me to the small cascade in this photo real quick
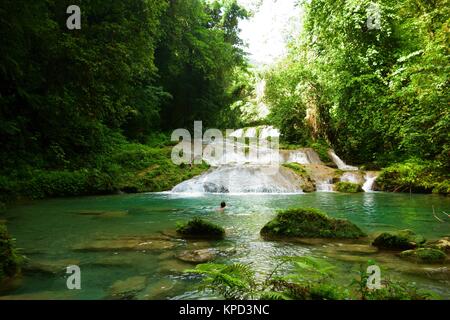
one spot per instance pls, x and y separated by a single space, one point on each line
370 181
298 157
341 164
325 186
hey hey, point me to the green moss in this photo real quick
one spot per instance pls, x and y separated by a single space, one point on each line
9 260
198 228
425 255
309 223
307 184
322 148
348 187
400 240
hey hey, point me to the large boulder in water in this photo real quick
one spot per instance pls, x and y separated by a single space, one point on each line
424 255
197 256
200 229
400 240
309 223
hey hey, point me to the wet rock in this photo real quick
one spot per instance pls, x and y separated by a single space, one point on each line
42 295
352 248
442 244
200 229
103 214
171 266
400 240
125 245
424 255
309 223
159 290
128 288
198 256
49 266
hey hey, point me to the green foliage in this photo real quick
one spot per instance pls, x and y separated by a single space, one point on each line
400 240
9 259
348 187
426 255
414 176
309 278
376 95
233 282
127 167
69 97
309 223
198 228
390 290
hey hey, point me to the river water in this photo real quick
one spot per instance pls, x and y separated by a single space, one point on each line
53 231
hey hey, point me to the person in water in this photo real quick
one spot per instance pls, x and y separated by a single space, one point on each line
223 205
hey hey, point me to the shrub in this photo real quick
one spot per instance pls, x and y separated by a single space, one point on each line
413 176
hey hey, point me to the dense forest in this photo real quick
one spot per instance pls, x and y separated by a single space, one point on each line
88 111
73 101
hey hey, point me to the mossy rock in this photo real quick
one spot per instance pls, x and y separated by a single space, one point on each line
200 229
400 240
425 255
309 223
442 244
348 187
9 260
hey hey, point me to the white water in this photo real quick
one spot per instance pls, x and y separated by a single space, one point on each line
370 181
341 164
351 177
325 186
242 169
242 179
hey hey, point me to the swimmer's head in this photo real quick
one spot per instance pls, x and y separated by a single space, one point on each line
223 205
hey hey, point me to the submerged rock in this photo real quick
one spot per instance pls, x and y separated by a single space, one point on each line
125 245
103 214
400 240
49 266
442 244
424 255
309 223
200 229
198 256
128 288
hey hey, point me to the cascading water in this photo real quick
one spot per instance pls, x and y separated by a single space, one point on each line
242 179
341 164
352 177
325 186
370 181
242 169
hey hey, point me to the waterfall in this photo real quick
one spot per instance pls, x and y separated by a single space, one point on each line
340 164
242 179
370 181
352 177
325 186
